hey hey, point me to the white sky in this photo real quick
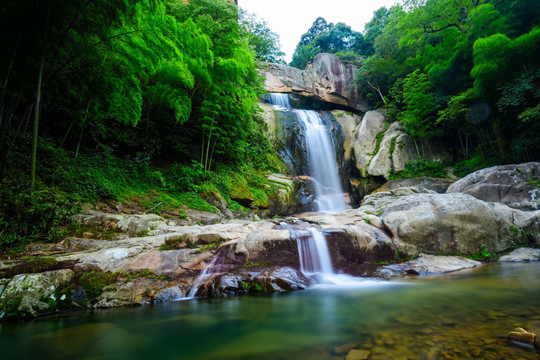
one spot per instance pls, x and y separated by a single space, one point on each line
292 18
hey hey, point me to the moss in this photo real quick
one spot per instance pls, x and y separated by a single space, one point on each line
30 265
177 242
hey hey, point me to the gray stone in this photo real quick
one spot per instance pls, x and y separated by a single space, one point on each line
28 290
521 254
203 217
365 141
434 184
429 264
455 223
327 79
506 184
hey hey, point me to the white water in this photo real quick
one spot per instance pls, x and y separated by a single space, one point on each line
314 254
197 283
281 100
321 157
322 162
315 262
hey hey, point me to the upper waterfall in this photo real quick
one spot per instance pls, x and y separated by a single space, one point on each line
320 153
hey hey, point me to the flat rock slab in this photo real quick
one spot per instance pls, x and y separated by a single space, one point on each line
521 254
429 265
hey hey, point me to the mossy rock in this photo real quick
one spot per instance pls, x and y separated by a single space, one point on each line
241 194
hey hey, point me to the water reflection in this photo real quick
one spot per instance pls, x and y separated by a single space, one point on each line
460 315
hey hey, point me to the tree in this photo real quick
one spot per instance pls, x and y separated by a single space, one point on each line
264 42
325 37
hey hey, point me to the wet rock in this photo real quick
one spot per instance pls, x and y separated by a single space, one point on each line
506 184
27 294
344 349
521 254
429 264
523 336
136 292
358 355
282 279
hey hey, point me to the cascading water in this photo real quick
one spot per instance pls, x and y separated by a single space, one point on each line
316 263
320 154
202 276
313 253
322 162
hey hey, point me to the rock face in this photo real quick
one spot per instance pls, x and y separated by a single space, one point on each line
378 148
327 79
506 184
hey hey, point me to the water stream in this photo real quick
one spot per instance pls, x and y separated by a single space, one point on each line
460 315
320 153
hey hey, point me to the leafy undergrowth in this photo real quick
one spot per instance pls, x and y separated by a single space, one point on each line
65 182
420 168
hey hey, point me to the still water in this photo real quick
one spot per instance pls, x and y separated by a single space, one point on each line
461 315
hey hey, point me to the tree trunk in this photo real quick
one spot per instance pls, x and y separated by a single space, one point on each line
37 104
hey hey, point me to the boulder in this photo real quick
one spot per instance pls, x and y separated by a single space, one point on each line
133 224
523 336
136 292
365 142
327 79
204 217
348 122
284 199
279 279
455 223
521 255
438 185
506 184
28 295
429 264
215 199
395 150
273 246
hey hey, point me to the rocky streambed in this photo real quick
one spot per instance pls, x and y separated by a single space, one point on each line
407 230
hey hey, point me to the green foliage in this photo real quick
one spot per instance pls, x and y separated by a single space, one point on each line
264 42
325 37
420 168
476 162
262 263
434 61
251 286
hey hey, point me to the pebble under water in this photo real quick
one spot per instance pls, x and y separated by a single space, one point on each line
460 315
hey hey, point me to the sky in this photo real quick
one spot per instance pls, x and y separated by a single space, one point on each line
292 18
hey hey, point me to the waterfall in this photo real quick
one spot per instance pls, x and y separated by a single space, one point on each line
320 154
313 253
202 276
315 261
279 100
322 162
